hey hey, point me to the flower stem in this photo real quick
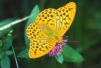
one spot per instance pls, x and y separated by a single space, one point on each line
15 56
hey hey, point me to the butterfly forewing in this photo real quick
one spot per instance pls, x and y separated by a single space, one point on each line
46 17
59 19
65 16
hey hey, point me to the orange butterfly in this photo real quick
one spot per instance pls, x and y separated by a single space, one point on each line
50 25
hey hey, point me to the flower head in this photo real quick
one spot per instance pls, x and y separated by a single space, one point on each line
58 48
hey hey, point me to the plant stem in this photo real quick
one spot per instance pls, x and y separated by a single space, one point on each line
15 57
14 22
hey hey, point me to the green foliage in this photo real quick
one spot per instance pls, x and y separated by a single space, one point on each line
5 62
71 55
24 53
1 43
4 52
8 41
9 52
59 58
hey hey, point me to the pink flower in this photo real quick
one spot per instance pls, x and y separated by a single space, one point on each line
58 48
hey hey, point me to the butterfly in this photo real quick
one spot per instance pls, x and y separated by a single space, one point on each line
49 28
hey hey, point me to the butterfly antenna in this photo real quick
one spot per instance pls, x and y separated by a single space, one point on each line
73 41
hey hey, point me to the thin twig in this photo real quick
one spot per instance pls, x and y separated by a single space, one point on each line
15 57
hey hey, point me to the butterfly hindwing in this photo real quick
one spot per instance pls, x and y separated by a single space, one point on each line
33 32
40 42
40 47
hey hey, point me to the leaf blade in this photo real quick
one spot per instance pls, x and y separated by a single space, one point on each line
71 55
8 41
59 58
5 62
24 53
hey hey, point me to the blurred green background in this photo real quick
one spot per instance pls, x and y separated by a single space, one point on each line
86 29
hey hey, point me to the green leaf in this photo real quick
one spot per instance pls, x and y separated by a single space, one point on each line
71 55
35 13
1 43
3 23
5 62
59 58
1 55
24 53
8 41
9 52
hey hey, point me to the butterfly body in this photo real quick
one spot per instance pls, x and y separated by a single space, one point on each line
49 28
50 33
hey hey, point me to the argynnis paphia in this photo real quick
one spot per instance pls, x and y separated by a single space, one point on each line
50 25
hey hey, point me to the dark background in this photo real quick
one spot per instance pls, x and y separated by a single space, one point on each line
86 29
